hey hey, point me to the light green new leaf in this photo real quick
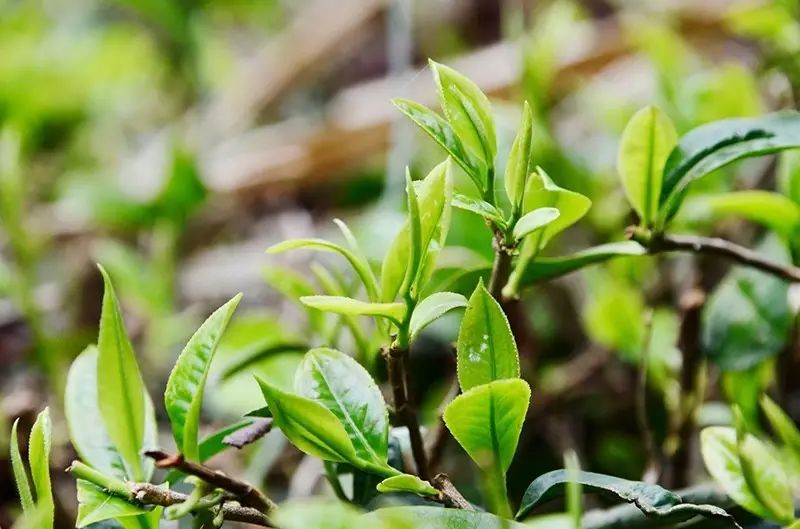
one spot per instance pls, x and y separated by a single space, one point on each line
468 111
39 462
534 220
407 483
479 207
120 389
783 426
788 174
309 425
344 305
718 446
764 474
96 505
769 209
441 131
520 160
546 268
344 387
486 350
438 518
432 308
362 268
183 397
645 145
543 192
20 474
487 420
402 268
81 407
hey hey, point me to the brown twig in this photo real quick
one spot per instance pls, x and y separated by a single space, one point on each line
398 380
149 494
449 493
249 434
660 243
246 493
691 350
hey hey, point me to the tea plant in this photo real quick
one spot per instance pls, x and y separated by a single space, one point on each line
336 410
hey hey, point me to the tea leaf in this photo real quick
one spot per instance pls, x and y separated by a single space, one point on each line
468 111
520 160
783 426
93 445
654 501
772 210
39 462
433 195
407 483
718 446
441 131
438 518
542 192
120 389
361 267
183 396
486 350
545 268
20 474
96 505
534 220
479 207
712 146
747 319
339 383
487 420
394 312
432 308
309 425
646 142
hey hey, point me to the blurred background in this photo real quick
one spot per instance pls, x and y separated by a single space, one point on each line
175 140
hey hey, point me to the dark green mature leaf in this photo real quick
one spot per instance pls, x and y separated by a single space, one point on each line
121 392
653 500
520 160
96 505
39 463
183 396
362 268
432 308
487 420
344 387
479 207
399 270
309 425
486 350
468 111
721 454
439 518
533 221
20 474
645 144
715 145
81 408
545 268
747 319
441 131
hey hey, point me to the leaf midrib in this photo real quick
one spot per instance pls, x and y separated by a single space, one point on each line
128 404
648 192
318 367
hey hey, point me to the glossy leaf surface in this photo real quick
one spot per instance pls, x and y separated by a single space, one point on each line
344 387
183 396
433 307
